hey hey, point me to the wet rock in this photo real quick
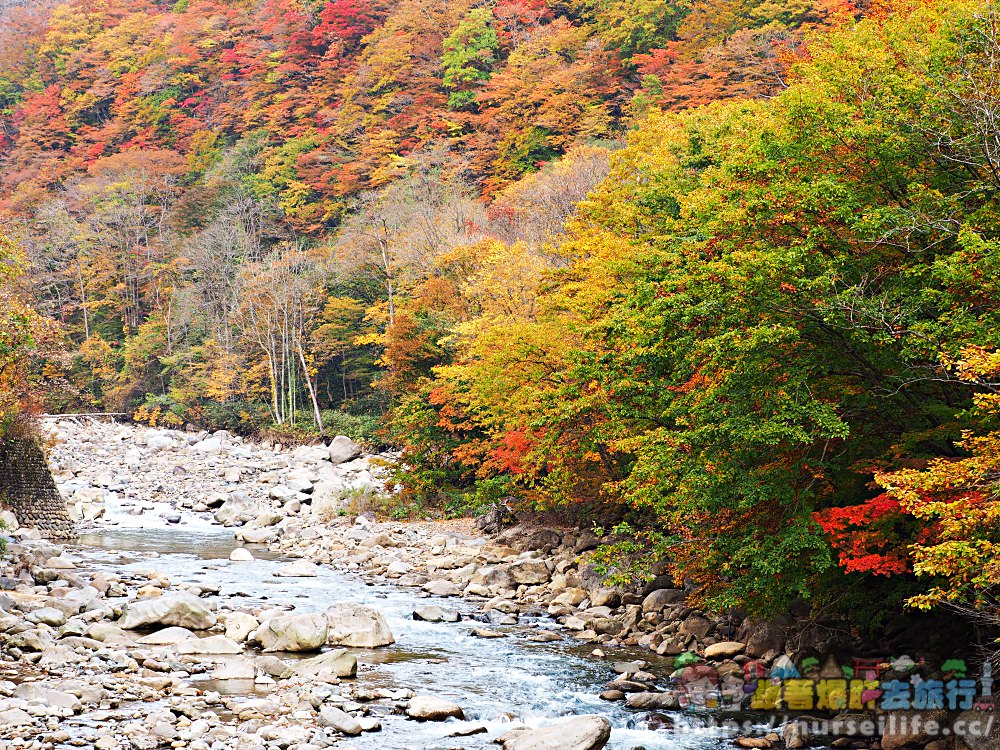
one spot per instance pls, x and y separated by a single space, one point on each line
758 743
441 588
302 632
180 608
425 708
653 701
578 733
352 624
433 613
795 735
485 633
241 554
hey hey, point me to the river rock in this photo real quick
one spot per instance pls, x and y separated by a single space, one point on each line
34 691
442 588
578 733
235 669
301 632
333 717
215 644
106 632
657 600
653 701
239 626
236 511
297 569
15 717
426 708
166 637
529 572
352 624
212 446
157 441
336 663
571 597
178 608
47 616
327 499
910 728
342 449
696 625
724 650
795 735
241 554
433 613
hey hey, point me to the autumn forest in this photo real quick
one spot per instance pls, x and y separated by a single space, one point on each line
720 277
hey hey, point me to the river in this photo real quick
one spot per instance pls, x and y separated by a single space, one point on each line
494 680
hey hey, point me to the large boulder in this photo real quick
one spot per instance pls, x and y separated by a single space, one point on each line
578 733
529 572
352 624
328 499
301 632
343 449
180 608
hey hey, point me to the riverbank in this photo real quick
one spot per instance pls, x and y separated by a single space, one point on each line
162 629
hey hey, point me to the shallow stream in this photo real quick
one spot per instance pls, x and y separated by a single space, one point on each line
494 680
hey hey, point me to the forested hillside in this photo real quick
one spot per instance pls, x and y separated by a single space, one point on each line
723 271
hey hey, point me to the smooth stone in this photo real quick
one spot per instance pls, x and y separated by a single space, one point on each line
426 708
577 733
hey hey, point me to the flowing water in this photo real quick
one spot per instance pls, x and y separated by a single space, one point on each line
494 680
